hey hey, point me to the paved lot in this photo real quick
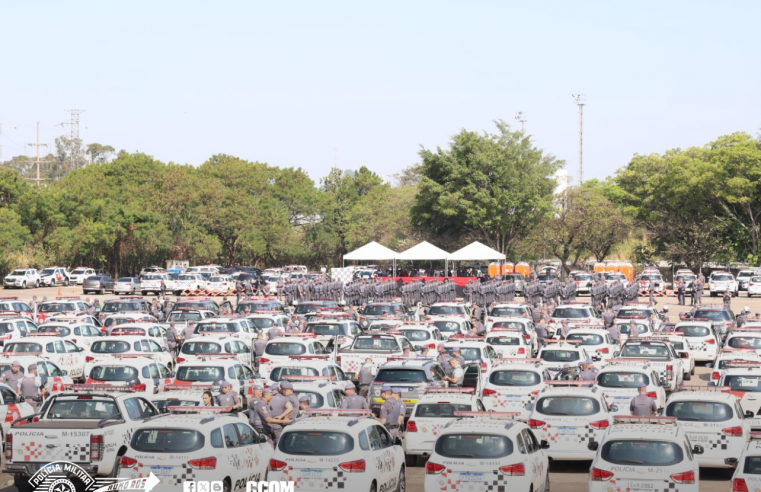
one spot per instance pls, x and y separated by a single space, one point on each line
565 476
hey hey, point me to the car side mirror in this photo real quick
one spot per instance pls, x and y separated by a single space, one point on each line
262 438
544 444
614 408
698 449
731 462
665 383
397 441
616 353
749 414
592 446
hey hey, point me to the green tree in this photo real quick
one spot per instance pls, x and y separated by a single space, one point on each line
99 153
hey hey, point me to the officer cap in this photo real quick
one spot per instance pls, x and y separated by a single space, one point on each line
441 345
565 322
225 384
303 398
588 361
267 390
456 349
257 387
397 390
286 385
641 385
16 363
275 386
385 388
350 386
32 367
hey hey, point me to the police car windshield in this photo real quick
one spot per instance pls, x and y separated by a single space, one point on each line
476 446
185 316
560 355
174 402
699 411
504 340
217 327
60 330
192 348
47 271
745 342
382 310
167 440
633 313
622 379
722 278
78 271
262 322
515 378
187 277
18 272
615 276
468 353
713 314
219 279
115 307
567 405
509 324
642 453
686 278
111 347
113 373
308 307
278 373
318 443
651 277
285 348
324 329
416 335
445 310
586 339
82 409
447 326
626 327
57 307
743 383
153 277
400 376
208 305
644 349
440 410
23 347
196 373
258 306
570 313
507 311
583 277
694 331
375 343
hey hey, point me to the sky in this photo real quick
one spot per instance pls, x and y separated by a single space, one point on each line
310 84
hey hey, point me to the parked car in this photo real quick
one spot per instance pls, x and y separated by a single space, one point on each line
98 284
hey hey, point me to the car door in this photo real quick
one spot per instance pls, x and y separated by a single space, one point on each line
253 456
249 379
536 458
76 358
166 376
386 457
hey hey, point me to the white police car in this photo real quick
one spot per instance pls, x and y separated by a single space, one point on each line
644 454
661 355
306 365
743 378
682 349
480 451
720 282
702 339
510 343
747 475
744 338
512 383
264 320
569 415
451 325
574 314
51 375
210 445
63 353
619 380
137 372
729 355
81 333
195 348
323 391
595 339
473 349
713 418
105 348
643 328
341 449
279 351
506 311
525 325
558 355
433 410
421 334
213 369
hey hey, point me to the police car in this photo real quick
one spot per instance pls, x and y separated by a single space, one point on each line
445 310
233 327
63 353
450 326
133 371
619 380
125 319
473 349
52 276
702 339
334 332
743 378
421 334
719 282
410 374
595 339
189 282
60 306
279 351
51 375
79 274
510 343
74 330
661 355
643 328
220 283
323 391
569 415
711 417
209 445
22 278
105 348
744 338
512 383
574 314
729 355
654 277
508 310
183 396
254 304
645 453
747 475
433 410
15 327
640 313
125 304
215 369
264 320
182 317
341 449
195 348
483 451
11 408
11 305
525 325
306 365
557 355
386 323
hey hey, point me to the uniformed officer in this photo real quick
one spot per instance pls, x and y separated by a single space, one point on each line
477 328
477 311
587 371
303 405
187 332
253 416
274 332
653 322
171 338
259 345
642 405
30 385
281 408
286 388
564 328
633 330
608 317
615 333
541 333
680 292
455 354
12 377
353 401
228 398
443 360
455 380
272 426
396 393
727 298
388 416
366 376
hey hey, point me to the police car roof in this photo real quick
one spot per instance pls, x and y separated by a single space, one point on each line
707 324
512 305
330 423
447 397
707 395
658 431
133 359
180 420
480 424
464 341
213 361
408 363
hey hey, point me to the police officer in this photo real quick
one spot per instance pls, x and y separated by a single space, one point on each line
303 405
642 405
171 338
274 332
608 317
286 388
259 345
29 387
396 394
188 331
388 411
272 426
680 291
280 408
12 377
455 354
633 330
477 328
228 398
615 333
727 298
477 311
588 373
541 333
366 376
253 415
353 401
455 380
653 322
564 328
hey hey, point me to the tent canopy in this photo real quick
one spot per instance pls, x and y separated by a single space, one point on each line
423 251
476 251
372 251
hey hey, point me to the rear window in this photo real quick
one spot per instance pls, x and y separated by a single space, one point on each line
447 326
713 315
744 342
128 331
440 410
284 348
515 378
699 411
61 330
642 453
400 375
382 310
316 443
23 347
416 335
504 340
217 327
625 327
115 307
375 343
634 313
468 353
82 409
261 323
113 373
125 279
57 307
195 373
622 379
324 329
167 440
722 278
644 350
507 312
445 310
192 348
586 339
473 446
316 400
694 331
567 405
109 347
752 465
559 355
743 383
570 313
277 373
184 316
304 308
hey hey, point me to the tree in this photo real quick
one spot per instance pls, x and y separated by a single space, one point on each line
492 187
99 153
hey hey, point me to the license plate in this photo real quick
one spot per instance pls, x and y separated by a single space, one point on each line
699 437
511 397
161 470
409 401
567 430
309 473
471 477
638 486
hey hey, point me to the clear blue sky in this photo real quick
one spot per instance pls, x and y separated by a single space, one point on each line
288 82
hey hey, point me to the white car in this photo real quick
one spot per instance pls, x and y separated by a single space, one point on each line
22 278
74 330
232 327
139 373
63 353
744 338
575 314
702 339
79 274
334 333
189 281
720 282
151 283
279 351
304 367
619 380
640 313
11 407
485 453
712 418
193 349
51 375
126 319
213 369
512 383
263 321
661 355
595 339
525 325
645 453
110 347
510 343
211 445
728 355
52 276
559 355
450 326
154 331
127 285
747 475
643 328
10 305
754 286
346 448
421 334
509 310
323 391
13 328
474 349
571 414
742 378
220 283
442 310
682 348
61 306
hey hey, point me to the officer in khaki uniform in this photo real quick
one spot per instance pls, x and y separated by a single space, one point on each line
389 412
228 398
13 376
353 401
29 387
642 405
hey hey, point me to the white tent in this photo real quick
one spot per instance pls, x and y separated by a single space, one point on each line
476 251
372 251
423 251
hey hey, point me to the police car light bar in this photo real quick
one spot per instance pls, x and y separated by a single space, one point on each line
489 415
748 364
298 334
309 378
218 410
517 359
9 354
185 387
569 383
45 333
64 298
310 357
101 387
8 298
628 361
628 419
699 387
448 390
573 342
337 411
405 357
755 435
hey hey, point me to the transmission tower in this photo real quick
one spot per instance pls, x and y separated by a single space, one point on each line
580 100
521 116
38 145
74 123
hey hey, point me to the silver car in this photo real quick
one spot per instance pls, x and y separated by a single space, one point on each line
127 285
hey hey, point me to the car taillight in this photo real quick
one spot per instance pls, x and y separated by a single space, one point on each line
521 350
733 431
711 341
600 424
203 463
651 394
357 466
73 340
517 470
685 355
432 468
536 424
9 448
604 350
89 359
685 477
411 426
128 462
96 448
669 372
483 367
597 475
264 361
489 392
739 485
526 336
277 465
714 375
489 320
180 359
338 359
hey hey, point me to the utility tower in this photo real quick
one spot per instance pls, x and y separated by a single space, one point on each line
521 116
74 123
580 100
38 145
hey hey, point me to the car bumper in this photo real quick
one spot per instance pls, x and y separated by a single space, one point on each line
13 283
29 469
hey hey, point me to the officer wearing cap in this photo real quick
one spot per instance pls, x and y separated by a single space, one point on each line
457 373
615 333
275 388
259 345
642 405
303 405
564 328
12 377
269 423
30 385
228 398
456 355
273 332
387 410
188 331
281 408
588 373
393 417
477 327
633 329
396 394
253 416
286 388
353 401
541 333
171 338
608 317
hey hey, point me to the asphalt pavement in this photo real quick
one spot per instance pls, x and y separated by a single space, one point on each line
565 476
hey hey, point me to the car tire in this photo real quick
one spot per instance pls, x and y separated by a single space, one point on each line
401 483
22 484
226 485
36 284
66 282
373 487
102 292
117 467
23 286
410 460
687 376
547 483
692 371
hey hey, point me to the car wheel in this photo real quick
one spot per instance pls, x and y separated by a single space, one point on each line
687 376
402 482
66 282
23 286
36 284
410 460
21 483
692 371
547 483
102 292
373 487
117 468
226 485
